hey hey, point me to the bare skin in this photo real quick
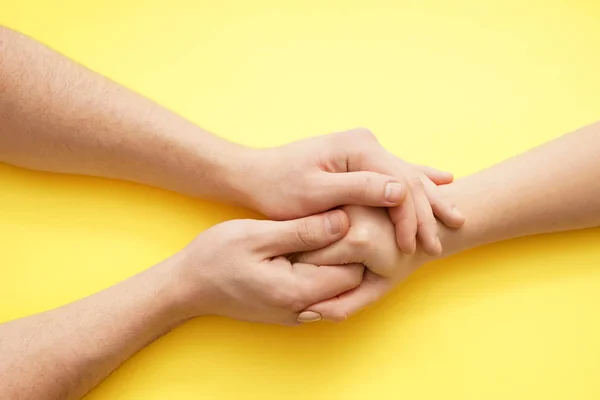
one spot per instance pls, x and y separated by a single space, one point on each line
56 115
236 269
83 342
554 187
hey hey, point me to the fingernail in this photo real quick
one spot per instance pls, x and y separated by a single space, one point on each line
393 192
457 213
333 224
309 316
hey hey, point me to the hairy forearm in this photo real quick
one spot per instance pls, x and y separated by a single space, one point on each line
63 353
553 187
56 115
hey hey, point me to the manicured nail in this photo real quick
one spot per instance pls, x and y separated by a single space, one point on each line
309 316
333 224
393 192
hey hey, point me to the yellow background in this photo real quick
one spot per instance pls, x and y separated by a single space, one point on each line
456 84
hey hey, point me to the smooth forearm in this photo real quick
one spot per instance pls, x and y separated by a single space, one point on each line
56 115
63 353
553 187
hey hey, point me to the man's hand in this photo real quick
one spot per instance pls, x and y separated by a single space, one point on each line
58 116
324 172
236 269
370 241
239 269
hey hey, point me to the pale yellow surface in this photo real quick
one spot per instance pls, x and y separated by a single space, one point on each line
456 84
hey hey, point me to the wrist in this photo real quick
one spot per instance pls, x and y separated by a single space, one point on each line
171 291
468 198
189 293
248 178
242 172
208 166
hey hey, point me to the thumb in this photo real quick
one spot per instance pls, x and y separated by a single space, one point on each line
361 188
306 234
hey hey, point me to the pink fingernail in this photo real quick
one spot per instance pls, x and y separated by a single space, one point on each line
393 192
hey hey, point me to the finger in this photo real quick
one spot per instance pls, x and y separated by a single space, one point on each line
427 231
319 283
363 188
435 175
379 257
338 253
339 308
371 241
366 223
443 208
405 222
303 234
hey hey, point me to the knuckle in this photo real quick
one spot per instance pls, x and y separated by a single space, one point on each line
289 297
360 145
296 301
367 181
436 203
364 188
298 304
363 133
401 218
357 134
361 239
423 224
415 183
282 298
305 234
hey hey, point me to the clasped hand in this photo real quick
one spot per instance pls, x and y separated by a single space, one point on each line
307 267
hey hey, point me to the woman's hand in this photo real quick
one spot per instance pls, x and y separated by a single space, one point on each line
370 241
